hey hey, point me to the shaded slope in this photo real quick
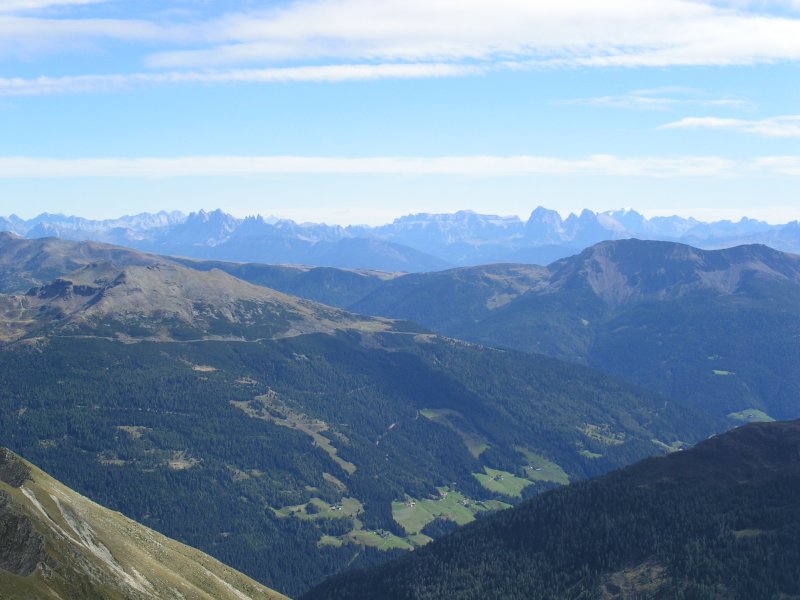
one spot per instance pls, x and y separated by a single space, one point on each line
227 445
717 521
54 543
718 329
335 287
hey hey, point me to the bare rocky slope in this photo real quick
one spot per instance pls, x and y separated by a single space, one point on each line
57 544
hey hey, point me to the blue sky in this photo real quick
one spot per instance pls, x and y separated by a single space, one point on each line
358 111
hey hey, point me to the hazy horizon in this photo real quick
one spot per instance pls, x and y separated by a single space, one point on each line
29 215
348 111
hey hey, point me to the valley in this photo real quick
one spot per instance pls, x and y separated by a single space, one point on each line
301 433
399 300
307 434
715 521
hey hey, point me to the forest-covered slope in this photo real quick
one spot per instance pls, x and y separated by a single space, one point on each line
716 329
716 521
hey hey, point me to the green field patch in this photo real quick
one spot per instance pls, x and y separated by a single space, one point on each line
502 482
329 541
541 469
748 533
419 539
135 431
334 482
414 514
751 415
316 509
673 447
452 419
382 540
722 373
589 454
603 434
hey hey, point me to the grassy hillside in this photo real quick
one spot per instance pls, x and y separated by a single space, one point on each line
336 287
56 543
717 521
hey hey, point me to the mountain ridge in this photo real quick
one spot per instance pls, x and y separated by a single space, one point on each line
713 327
413 243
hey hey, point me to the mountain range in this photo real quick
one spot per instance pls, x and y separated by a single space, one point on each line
414 243
716 329
288 438
718 521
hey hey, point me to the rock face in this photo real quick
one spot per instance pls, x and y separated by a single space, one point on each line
12 470
22 548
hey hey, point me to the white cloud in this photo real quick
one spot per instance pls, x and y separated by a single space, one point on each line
784 126
502 34
25 37
783 165
42 86
665 98
8 6
532 33
472 166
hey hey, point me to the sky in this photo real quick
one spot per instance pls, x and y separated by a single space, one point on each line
360 111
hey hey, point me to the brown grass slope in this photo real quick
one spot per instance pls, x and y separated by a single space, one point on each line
163 301
57 544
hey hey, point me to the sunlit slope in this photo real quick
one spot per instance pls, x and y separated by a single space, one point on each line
55 543
166 302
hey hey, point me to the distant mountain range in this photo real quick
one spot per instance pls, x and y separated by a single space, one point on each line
718 521
414 243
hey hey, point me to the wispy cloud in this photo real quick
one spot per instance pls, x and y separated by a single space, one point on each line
783 165
784 126
575 32
472 166
8 6
666 98
503 34
43 86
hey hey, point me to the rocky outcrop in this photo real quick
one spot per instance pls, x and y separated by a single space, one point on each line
21 546
12 470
